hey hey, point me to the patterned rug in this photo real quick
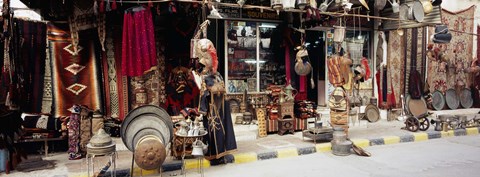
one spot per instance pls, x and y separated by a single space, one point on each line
395 64
75 78
461 22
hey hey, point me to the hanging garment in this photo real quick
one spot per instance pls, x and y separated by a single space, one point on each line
138 42
221 137
74 137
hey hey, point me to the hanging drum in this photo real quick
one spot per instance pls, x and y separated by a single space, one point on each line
146 131
416 107
466 99
452 99
438 100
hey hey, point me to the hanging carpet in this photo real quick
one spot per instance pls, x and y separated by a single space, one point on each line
30 58
395 64
75 77
461 42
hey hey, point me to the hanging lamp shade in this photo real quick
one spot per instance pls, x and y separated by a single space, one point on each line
288 4
302 4
277 5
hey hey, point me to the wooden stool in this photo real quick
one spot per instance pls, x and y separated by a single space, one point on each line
285 126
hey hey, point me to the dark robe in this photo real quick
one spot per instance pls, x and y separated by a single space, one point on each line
218 120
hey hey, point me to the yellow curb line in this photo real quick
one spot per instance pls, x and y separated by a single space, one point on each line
245 157
391 140
361 142
193 163
472 131
141 172
323 147
447 133
420 137
290 152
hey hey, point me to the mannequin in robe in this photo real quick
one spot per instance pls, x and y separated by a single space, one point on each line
213 107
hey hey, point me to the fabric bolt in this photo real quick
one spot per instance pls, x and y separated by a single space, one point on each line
138 43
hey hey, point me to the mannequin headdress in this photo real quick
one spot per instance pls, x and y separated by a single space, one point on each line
207 57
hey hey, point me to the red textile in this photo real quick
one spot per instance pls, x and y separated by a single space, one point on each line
138 43
367 68
287 64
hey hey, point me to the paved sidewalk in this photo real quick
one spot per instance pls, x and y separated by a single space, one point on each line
273 146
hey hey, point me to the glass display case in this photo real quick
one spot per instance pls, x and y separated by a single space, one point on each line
250 62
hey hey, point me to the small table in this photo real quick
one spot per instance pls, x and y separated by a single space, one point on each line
183 152
285 126
45 140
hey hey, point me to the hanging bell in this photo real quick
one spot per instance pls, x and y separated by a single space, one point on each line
277 5
288 4
302 4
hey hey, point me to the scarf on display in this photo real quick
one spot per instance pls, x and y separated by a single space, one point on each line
138 42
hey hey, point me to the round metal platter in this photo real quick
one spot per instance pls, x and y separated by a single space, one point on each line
372 113
438 100
452 99
466 98
416 107
143 121
163 115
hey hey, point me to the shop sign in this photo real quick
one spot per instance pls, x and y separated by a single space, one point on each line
234 12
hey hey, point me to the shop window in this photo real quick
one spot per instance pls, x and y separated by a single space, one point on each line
251 63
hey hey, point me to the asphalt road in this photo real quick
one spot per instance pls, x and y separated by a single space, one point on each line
456 156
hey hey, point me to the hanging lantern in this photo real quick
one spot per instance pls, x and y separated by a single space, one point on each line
302 4
288 4
277 5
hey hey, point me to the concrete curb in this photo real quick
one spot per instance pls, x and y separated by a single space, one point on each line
248 157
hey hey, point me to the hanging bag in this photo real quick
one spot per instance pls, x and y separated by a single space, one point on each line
302 62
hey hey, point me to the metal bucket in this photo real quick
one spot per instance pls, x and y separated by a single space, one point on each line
452 99
342 148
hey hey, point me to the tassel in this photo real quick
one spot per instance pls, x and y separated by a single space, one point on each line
95 7
114 5
102 7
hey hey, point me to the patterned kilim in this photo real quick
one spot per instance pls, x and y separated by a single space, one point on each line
74 77
395 64
462 23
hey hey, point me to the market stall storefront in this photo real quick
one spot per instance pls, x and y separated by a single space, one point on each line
183 76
